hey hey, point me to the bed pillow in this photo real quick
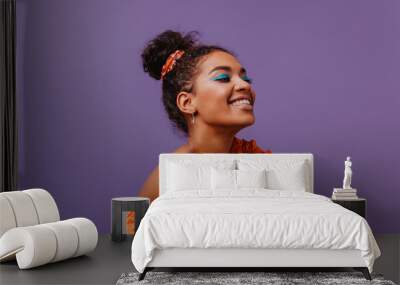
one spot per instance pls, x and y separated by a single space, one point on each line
187 175
251 178
281 174
223 179
236 179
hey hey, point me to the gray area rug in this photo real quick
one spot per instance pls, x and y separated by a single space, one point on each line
225 278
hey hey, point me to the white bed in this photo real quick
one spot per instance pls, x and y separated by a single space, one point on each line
201 220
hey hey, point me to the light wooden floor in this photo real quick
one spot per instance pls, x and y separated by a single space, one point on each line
110 260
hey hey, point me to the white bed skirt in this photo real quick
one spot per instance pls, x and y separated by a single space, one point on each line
235 257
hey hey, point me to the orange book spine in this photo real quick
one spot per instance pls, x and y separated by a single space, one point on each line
130 222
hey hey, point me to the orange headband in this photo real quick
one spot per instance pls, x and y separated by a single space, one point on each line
170 63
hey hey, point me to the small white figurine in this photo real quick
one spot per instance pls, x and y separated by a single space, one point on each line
347 174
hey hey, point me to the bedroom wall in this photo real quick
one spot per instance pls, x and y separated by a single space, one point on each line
92 123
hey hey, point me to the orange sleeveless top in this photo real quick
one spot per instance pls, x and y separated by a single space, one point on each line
243 146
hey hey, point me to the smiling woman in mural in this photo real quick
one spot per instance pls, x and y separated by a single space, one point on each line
206 93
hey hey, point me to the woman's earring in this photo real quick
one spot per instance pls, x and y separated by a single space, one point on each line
193 118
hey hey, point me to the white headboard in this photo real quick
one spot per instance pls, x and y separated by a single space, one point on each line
165 157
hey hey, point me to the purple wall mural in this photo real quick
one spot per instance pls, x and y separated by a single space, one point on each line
92 124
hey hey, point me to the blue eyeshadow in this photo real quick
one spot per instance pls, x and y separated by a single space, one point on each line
224 76
220 76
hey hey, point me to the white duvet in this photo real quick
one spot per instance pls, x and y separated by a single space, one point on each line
251 218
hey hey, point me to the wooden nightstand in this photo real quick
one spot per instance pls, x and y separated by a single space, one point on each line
358 206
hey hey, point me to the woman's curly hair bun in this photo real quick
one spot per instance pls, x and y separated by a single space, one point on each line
158 49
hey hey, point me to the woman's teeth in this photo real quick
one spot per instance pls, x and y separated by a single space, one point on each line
241 102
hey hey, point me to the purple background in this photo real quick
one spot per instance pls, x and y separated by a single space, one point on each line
92 124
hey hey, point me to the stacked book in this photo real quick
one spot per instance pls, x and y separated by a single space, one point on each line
344 194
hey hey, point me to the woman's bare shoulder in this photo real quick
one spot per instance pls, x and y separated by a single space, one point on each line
150 186
183 149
